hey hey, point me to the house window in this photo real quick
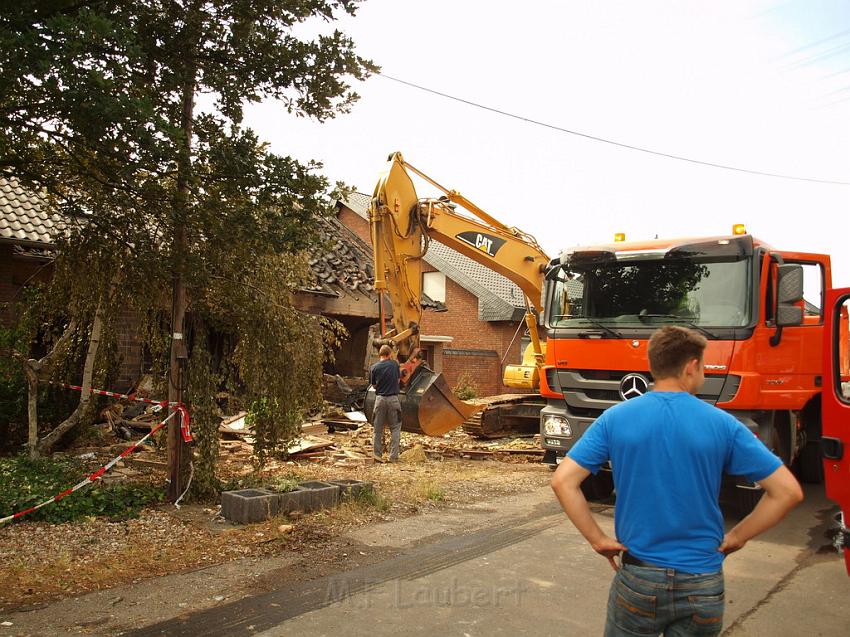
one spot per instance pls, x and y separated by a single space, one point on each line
434 285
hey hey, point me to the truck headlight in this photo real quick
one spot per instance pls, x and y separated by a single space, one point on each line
556 426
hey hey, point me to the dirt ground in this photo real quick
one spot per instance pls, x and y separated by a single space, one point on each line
44 562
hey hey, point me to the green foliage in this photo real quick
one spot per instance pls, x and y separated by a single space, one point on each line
97 111
283 484
13 392
431 491
373 499
54 404
200 394
253 480
466 388
25 483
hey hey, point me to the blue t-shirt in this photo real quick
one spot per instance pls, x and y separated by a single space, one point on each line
668 451
384 376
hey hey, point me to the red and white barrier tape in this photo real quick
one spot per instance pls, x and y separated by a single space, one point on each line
184 413
97 474
103 392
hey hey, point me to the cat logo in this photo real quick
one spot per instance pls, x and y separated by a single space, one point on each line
486 243
483 243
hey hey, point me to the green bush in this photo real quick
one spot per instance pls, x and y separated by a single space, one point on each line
25 482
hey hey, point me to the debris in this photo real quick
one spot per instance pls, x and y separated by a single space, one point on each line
414 455
285 528
333 425
306 444
235 426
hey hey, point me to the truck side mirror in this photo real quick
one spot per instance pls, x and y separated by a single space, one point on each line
789 291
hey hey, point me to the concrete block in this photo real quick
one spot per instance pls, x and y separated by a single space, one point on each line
249 505
323 495
351 489
296 500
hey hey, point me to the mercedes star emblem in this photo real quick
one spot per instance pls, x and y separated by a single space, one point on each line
633 385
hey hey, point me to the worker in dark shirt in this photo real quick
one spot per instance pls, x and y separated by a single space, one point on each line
384 376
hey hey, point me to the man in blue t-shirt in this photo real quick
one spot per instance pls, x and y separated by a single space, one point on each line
668 451
384 376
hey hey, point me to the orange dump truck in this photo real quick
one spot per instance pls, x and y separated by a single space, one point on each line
761 309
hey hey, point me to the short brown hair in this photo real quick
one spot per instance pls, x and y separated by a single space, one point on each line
670 349
385 350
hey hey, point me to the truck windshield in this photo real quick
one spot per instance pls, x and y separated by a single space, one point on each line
652 291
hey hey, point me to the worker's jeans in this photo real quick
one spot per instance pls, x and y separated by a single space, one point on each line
651 601
387 410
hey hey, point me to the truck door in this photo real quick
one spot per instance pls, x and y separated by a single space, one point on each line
836 408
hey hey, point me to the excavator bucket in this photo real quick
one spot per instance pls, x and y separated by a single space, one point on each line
428 405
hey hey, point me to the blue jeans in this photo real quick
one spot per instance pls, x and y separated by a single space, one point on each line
651 601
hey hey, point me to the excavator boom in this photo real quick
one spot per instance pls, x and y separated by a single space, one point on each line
402 225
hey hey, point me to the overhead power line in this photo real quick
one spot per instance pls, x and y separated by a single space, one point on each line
611 141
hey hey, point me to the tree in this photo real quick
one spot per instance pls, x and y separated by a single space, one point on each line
98 108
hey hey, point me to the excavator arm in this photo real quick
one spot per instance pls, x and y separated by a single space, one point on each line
402 225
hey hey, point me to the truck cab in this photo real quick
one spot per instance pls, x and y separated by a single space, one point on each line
760 309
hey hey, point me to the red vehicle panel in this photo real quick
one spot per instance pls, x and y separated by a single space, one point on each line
836 408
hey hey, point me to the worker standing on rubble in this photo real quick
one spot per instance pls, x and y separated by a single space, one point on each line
384 376
668 451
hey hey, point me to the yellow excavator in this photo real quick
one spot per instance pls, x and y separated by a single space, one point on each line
402 225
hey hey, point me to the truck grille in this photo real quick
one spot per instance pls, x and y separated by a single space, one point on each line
589 392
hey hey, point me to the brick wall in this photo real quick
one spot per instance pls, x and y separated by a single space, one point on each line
357 224
477 346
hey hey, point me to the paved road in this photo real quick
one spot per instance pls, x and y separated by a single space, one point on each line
518 567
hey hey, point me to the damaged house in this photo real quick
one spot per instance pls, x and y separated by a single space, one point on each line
341 288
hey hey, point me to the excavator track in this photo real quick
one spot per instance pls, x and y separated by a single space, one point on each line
506 415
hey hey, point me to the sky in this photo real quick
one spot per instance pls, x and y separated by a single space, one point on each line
762 85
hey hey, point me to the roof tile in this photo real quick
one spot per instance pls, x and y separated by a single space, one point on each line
22 215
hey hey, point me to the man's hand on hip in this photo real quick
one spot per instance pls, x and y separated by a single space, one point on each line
731 543
609 548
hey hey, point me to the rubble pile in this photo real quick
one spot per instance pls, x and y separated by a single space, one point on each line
340 263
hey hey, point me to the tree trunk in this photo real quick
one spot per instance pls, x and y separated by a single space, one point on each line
31 372
178 451
47 443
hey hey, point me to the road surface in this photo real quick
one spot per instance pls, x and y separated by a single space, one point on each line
516 566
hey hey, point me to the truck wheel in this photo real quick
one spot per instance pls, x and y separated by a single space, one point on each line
785 430
810 463
598 487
